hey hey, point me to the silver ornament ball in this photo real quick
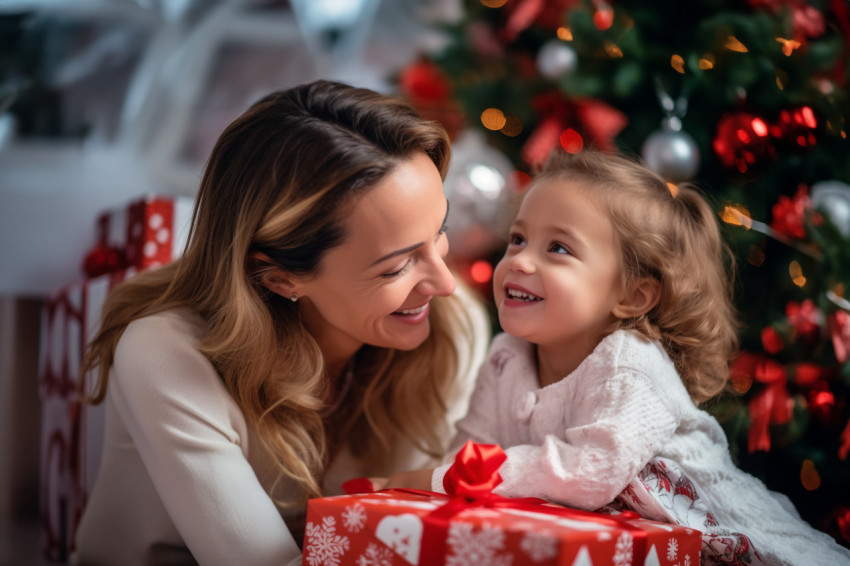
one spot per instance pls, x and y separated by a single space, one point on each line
556 59
833 199
672 154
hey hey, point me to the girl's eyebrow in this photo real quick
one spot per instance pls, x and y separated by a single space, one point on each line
408 249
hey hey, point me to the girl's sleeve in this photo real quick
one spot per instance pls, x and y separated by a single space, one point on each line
180 417
622 424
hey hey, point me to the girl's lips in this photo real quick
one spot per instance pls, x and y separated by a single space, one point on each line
519 296
413 315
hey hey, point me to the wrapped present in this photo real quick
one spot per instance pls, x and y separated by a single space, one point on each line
71 431
147 232
474 527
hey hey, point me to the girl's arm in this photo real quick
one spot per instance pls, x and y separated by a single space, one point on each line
620 426
192 440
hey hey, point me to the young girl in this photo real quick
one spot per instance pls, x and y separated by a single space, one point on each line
618 322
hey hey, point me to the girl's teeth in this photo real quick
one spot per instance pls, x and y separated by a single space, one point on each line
522 295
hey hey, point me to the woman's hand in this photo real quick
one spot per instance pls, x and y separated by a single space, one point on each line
416 479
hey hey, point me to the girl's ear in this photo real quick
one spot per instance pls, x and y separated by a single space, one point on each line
639 298
262 268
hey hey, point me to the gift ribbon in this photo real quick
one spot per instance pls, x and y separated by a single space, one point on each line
469 483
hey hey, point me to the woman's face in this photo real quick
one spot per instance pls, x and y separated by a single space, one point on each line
376 286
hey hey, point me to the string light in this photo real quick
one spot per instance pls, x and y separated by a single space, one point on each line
707 62
737 215
494 3
613 50
796 273
493 119
756 256
512 127
734 44
809 476
565 34
788 45
678 63
673 188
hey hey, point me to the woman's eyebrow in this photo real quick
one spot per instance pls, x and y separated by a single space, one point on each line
408 249
402 251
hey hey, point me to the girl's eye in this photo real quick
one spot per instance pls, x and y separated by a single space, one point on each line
398 273
516 240
557 248
443 229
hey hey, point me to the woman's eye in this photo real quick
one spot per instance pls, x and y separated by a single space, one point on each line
443 229
399 272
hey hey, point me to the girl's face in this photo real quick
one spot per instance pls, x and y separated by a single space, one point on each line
376 286
559 280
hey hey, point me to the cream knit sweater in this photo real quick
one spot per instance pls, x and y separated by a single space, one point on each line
581 441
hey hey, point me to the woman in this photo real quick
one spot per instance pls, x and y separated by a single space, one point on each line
308 334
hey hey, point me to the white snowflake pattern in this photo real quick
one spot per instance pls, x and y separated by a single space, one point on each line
672 549
623 550
323 546
375 556
539 546
475 549
687 560
354 518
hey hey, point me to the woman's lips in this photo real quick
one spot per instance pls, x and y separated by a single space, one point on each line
413 315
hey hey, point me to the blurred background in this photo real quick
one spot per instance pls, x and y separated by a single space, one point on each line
109 108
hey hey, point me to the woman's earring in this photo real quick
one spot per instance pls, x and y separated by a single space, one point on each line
293 297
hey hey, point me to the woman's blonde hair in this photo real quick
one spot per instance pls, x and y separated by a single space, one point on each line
277 182
671 234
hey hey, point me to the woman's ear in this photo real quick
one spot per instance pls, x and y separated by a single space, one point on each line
638 299
270 276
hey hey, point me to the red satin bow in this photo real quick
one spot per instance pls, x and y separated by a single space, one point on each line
475 472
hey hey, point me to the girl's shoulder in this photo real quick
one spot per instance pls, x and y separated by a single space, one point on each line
625 350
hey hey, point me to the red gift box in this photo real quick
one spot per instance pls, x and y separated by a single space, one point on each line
147 232
389 528
71 431
473 527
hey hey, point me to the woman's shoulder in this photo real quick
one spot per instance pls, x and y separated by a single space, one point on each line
173 324
160 344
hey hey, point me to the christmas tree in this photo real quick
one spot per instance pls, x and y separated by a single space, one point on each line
747 99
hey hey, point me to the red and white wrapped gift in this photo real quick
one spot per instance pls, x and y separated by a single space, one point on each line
71 431
149 231
476 528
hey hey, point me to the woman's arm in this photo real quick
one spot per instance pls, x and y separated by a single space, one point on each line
192 440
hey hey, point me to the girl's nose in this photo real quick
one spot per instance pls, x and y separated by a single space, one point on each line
521 262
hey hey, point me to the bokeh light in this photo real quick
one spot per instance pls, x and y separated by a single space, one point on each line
481 271
493 119
571 141
809 476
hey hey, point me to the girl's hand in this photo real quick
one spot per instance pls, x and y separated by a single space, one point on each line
417 479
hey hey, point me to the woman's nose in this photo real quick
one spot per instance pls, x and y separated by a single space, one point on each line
438 280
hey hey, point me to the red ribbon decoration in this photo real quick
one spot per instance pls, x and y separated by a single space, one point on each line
470 481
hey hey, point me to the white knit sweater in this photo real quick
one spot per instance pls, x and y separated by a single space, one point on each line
182 480
582 440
